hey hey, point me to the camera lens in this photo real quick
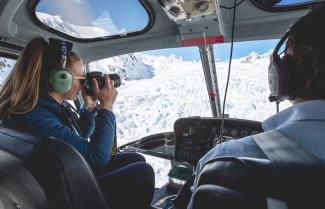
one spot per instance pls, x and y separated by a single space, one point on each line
116 78
99 76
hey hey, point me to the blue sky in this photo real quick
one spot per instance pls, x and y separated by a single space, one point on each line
221 51
131 16
286 2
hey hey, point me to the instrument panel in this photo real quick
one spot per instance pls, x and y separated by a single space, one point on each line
194 137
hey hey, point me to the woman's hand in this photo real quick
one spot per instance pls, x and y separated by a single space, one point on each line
90 102
107 95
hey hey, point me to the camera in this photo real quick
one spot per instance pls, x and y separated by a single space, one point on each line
99 76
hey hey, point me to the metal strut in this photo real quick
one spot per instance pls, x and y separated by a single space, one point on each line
210 74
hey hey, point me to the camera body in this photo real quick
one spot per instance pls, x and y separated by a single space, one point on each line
99 76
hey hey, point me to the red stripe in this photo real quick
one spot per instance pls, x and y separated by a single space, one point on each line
212 93
203 41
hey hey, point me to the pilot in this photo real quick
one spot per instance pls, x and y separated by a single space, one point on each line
301 72
34 99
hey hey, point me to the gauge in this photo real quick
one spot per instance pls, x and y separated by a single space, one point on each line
244 133
234 132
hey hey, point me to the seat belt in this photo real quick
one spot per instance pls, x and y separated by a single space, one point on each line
281 151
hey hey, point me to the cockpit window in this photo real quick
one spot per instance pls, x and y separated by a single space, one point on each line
286 5
93 19
291 2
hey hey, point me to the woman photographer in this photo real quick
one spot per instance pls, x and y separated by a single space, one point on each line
33 99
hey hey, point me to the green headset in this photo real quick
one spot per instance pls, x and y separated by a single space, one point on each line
60 79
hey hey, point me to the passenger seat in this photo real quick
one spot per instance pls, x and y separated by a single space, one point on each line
44 173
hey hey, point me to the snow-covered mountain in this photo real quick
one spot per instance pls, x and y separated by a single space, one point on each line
4 64
5 67
253 56
128 66
78 31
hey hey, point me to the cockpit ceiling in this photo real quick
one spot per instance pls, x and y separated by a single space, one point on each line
171 26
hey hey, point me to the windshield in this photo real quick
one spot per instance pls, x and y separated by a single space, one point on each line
160 86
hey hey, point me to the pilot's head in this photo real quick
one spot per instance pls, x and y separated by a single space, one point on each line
300 74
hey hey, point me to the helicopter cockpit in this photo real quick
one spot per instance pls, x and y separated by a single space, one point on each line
175 59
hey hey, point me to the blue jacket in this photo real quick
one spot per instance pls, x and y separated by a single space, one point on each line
49 118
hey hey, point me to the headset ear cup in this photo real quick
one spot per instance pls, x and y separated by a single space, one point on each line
273 79
273 76
60 80
279 78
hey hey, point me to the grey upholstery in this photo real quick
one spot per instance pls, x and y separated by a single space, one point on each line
43 173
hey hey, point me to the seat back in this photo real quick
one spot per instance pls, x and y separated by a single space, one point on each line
252 183
38 172
18 188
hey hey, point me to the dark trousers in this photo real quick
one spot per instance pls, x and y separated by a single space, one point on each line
128 182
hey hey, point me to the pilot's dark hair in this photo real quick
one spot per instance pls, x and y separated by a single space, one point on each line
305 55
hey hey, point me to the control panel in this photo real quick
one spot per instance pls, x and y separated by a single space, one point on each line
194 137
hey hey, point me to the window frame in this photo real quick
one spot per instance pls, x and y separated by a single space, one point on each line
8 55
31 6
296 7
8 45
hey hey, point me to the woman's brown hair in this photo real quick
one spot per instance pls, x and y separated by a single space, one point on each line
20 91
28 78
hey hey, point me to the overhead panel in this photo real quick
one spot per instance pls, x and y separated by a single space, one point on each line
197 21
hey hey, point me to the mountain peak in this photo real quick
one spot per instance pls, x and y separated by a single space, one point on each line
251 58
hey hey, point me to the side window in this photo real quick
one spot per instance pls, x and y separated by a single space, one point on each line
6 65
